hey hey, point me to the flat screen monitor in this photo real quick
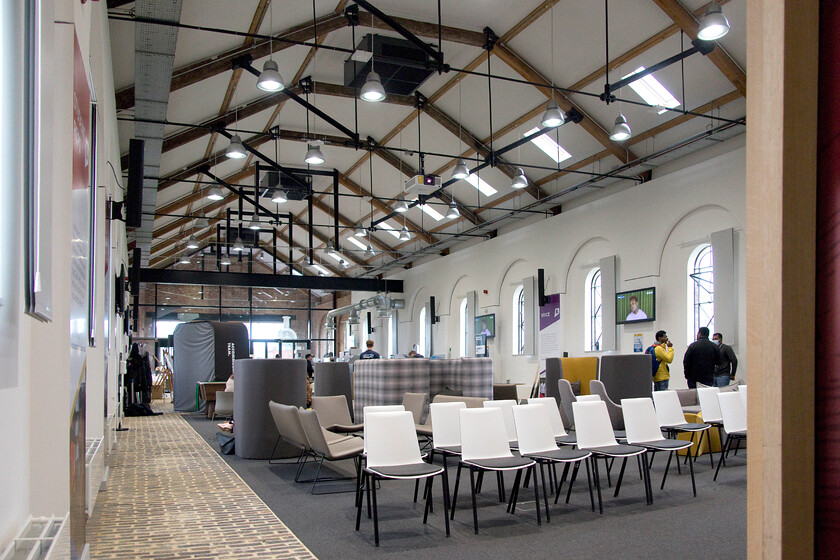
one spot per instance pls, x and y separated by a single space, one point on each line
486 325
635 306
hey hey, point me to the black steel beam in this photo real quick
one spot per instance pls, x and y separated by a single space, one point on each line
393 24
254 280
703 47
261 156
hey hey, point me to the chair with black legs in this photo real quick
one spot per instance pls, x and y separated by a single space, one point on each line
561 436
325 448
710 409
484 447
393 453
536 441
734 423
595 434
671 418
643 430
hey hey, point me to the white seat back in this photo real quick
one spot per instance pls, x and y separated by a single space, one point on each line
554 417
588 398
668 409
483 434
733 412
378 408
592 424
506 406
446 423
534 428
742 390
709 406
391 439
640 423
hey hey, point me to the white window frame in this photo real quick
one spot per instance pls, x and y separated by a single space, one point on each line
518 330
701 290
421 335
593 313
462 328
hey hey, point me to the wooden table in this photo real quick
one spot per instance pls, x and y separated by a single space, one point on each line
207 391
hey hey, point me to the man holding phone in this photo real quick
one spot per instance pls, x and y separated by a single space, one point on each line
664 352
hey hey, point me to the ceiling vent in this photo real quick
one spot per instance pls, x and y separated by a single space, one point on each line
272 180
401 66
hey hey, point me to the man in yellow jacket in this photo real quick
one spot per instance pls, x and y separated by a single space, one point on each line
664 351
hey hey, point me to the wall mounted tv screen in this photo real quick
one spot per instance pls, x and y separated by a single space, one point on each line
635 306
486 325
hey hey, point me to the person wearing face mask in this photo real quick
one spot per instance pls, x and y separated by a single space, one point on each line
725 371
700 360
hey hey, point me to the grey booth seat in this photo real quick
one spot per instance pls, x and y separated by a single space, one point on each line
626 376
257 383
334 378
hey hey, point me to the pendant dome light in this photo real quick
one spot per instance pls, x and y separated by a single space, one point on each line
201 221
254 224
401 207
192 243
184 259
329 249
520 181
279 196
405 235
370 251
235 150
215 193
713 24
553 116
360 231
225 260
460 171
344 264
238 246
453 212
314 155
270 78
372 91
621 130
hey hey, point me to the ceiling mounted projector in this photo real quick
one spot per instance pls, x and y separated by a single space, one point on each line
423 184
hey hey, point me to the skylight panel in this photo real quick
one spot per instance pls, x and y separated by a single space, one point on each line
390 229
337 256
431 212
357 243
321 269
481 185
652 91
547 144
296 273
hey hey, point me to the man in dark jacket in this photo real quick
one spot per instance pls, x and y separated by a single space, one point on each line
725 372
700 360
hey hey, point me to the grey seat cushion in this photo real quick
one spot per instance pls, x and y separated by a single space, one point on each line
501 463
407 471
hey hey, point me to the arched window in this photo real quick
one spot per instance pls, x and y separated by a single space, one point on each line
592 314
701 290
518 341
462 326
421 338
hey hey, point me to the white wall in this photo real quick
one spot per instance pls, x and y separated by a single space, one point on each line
651 228
35 389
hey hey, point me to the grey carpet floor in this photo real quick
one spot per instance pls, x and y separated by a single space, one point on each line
712 525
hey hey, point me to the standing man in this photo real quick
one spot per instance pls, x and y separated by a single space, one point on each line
700 360
664 352
725 372
370 353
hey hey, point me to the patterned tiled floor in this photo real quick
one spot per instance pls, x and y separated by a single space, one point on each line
170 496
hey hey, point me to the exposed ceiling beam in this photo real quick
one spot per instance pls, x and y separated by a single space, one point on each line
521 67
719 57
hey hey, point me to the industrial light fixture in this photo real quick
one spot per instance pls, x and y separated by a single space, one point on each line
621 130
215 193
238 246
235 149
402 207
354 318
405 235
254 224
201 221
314 155
453 211
344 264
279 196
360 231
225 260
184 259
372 91
460 171
713 24
370 251
192 243
329 249
520 181
270 78
553 116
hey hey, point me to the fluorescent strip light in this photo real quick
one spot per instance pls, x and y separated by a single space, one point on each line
431 212
390 229
355 241
481 185
547 144
652 91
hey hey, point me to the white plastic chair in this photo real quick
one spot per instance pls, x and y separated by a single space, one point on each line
671 417
484 447
595 434
379 408
537 442
224 404
506 406
742 390
734 423
643 429
393 453
587 398
710 409
561 436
